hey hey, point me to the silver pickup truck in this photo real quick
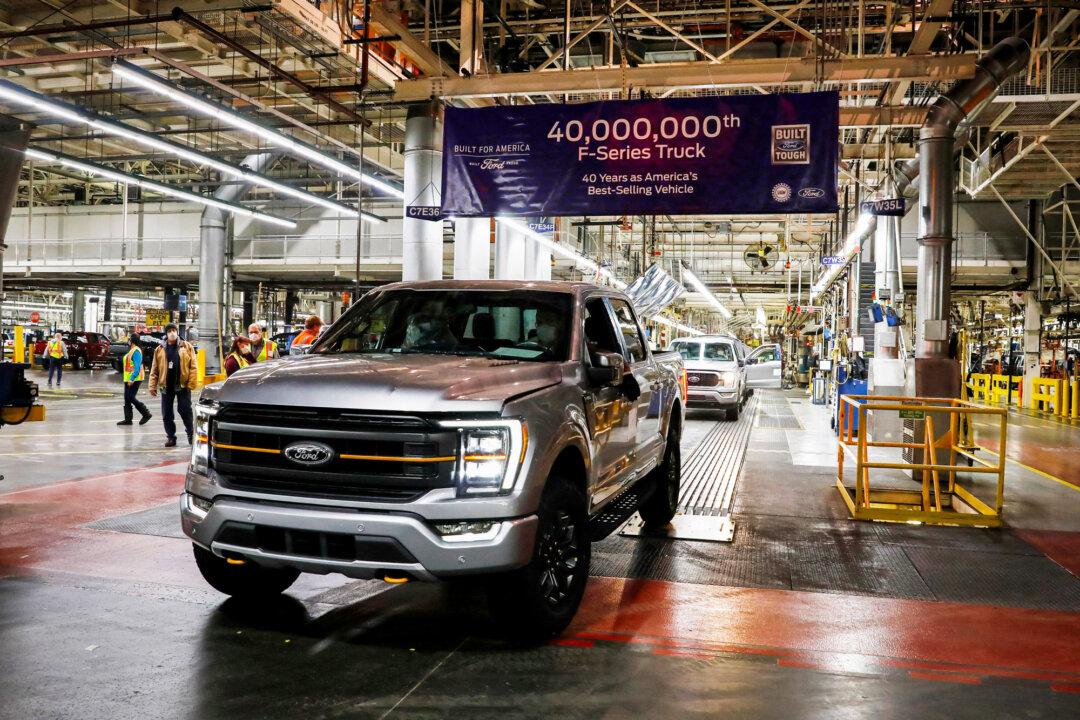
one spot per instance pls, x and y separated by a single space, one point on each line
436 430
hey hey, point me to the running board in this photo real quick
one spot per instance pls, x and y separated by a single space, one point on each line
619 510
705 528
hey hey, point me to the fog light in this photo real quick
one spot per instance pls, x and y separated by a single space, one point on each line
468 530
201 503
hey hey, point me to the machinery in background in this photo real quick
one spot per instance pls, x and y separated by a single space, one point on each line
18 396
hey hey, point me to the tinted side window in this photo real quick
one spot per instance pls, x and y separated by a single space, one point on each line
630 331
767 355
599 335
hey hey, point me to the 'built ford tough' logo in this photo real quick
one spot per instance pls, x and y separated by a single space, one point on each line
309 453
791 144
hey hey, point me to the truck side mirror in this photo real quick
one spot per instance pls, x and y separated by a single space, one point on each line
751 361
607 370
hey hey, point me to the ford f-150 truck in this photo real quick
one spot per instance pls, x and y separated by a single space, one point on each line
442 429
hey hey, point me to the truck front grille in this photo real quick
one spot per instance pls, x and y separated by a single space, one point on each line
389 458
702 379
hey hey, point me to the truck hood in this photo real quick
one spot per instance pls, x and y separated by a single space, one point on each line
711 365
389 383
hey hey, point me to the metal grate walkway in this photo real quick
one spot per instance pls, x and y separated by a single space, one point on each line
710 473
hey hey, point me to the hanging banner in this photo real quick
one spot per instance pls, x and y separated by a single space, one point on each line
678 156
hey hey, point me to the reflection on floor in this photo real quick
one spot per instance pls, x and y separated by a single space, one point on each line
805 614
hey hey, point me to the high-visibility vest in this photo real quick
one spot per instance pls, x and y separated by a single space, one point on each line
55 348
269 348
241 361
129 366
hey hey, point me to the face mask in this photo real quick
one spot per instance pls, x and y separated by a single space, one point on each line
255 337
546 334
244 349
172 336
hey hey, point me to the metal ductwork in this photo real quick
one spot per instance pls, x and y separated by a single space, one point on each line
948 117
213 236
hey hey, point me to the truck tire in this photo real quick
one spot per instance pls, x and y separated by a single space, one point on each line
538 601
733 412
662 505
79 363
248 581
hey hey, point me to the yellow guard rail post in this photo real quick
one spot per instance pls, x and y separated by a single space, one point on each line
940 498
1046 395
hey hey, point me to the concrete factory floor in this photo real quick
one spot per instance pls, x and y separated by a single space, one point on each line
807 614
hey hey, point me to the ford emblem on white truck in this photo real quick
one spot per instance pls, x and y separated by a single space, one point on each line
309 453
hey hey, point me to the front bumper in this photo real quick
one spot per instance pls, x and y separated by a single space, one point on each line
712 398
429 556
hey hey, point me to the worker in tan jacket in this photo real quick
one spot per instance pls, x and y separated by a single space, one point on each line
174 375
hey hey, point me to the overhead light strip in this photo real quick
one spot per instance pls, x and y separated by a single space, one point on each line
700 287
154 83
129 179
14 93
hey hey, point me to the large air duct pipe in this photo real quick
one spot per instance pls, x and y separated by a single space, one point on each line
937 181
213 236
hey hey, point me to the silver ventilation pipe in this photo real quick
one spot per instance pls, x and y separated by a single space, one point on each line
948 117
213 234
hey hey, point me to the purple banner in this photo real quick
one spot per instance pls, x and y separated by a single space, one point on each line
738 154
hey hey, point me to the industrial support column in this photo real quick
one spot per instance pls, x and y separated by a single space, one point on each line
12 147
509 253
213 234
472 248
421 250
78 310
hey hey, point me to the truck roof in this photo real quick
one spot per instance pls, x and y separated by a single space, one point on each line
539 285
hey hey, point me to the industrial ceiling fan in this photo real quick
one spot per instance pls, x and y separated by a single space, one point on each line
761 256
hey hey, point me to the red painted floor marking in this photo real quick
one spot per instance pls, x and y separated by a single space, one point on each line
104 476
572 642
1060 546
945 677
755 620
1066 687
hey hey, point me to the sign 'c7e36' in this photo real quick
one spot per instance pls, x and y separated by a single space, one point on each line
679 156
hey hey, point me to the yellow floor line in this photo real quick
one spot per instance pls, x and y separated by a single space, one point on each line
1046 475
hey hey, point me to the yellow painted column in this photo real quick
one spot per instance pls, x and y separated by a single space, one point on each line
18 344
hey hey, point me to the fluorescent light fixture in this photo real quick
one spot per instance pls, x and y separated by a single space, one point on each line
150 81
99 171
699 286
852 245
664 320
14 93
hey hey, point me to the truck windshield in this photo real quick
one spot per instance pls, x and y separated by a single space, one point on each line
518 324
719 351
688 350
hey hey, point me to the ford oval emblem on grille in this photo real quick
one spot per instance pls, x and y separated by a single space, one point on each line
309 453
694 378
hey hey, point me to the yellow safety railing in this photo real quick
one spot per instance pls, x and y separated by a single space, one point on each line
999 389
979 385
936 463
1048 395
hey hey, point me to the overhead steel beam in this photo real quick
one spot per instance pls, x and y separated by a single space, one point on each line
735 73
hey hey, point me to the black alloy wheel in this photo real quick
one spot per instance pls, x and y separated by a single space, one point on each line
560 553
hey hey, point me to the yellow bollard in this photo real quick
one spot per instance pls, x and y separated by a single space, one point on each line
18 344
200 365
1075 399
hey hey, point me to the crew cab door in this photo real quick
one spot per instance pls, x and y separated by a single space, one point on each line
646 409
763 367
608 411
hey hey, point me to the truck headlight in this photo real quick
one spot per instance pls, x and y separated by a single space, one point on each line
490 454
727 379
200 444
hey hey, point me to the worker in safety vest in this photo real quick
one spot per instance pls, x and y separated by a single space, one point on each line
239 356
56 353
310 333
134 372
261 348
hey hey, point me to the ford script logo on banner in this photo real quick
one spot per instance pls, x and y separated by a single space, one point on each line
424 212
312 454
678 156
